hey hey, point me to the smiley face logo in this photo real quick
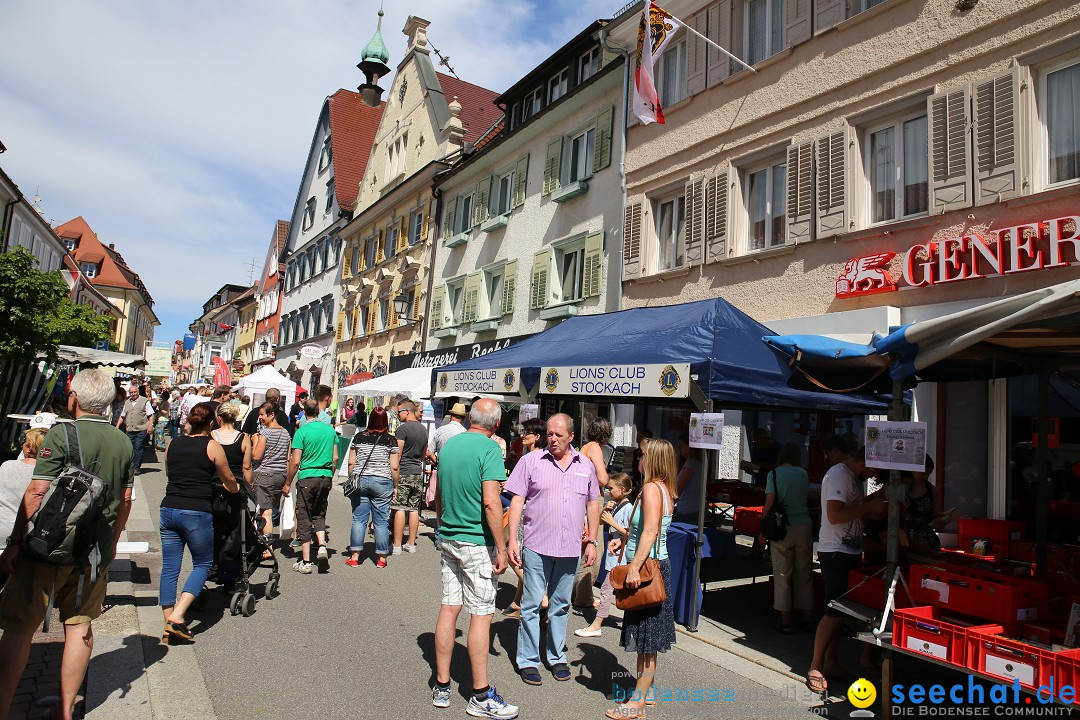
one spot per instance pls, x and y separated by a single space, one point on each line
862 693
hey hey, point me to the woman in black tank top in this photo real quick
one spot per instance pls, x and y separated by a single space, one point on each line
227 507
192 462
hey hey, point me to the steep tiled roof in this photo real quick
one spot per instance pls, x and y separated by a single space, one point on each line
281 236
352 133
114 271
478 109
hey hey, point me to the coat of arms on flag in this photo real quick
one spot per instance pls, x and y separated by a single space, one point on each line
659 25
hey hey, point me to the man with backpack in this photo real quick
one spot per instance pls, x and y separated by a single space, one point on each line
73 575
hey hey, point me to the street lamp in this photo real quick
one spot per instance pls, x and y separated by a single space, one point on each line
373 65
401 307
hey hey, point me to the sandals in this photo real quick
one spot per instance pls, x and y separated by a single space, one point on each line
624 712
817 684
178 631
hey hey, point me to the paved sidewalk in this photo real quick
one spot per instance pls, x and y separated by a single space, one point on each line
40 682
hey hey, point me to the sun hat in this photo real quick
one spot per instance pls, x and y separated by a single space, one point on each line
458 410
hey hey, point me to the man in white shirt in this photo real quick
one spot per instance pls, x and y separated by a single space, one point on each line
190 400
138 415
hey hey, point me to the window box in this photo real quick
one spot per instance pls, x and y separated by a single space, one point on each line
454 240
449 332
559 312
494 223
571 190
485 325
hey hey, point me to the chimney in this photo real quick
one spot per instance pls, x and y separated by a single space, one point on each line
112 246
416 30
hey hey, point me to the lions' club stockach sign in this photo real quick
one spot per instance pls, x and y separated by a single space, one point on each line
672 381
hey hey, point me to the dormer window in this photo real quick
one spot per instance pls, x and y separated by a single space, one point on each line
90 270
557 86
534 101
589 65
326 155
70 244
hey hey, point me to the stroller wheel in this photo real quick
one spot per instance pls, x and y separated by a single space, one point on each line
234 603
247 608
271 591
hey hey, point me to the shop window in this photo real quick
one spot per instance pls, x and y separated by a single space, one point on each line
765 196
897 172
589 64
1060 117
671 75
309 214
670 233
764 29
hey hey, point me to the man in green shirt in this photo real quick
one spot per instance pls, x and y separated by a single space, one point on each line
312 462
473 554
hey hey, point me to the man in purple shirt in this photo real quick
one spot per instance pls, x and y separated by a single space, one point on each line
558 489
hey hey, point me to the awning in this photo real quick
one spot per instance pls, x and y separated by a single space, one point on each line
91 356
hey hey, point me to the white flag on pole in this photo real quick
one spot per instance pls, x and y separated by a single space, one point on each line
657 25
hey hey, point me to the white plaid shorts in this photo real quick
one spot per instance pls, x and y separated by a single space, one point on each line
467 576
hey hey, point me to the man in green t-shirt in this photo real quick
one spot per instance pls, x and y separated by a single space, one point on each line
473 554
312 462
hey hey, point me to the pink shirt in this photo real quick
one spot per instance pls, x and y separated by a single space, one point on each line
555 500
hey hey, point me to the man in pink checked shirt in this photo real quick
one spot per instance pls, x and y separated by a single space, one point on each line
558 490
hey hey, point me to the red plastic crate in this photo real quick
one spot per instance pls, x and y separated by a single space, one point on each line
990 650
928 630
991 596
748 520
999 533
874 591
1067 671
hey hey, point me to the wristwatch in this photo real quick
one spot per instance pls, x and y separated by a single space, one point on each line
590 542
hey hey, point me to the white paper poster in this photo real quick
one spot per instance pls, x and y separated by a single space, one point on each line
707 430
896 445
528 412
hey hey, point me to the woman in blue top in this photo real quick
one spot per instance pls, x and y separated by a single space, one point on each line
650 631
792 557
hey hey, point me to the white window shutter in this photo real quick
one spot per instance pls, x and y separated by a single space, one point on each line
796 21
832 156
719 31
695 54
717 188
521 176
602 140
997 128
949 116
828 13
509 286
541 271
449 217
632 241
552 166
800 195
695 219
593 279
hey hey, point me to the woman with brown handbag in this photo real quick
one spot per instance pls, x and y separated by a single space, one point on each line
649 630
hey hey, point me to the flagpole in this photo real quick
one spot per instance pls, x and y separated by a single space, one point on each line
715 45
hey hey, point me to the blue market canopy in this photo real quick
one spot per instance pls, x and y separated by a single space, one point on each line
1010 336
722 345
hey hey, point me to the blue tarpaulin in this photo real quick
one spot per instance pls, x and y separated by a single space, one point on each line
723 345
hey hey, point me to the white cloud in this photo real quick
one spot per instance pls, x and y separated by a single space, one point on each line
180 130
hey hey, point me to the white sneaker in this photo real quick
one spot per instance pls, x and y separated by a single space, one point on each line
304 568
409 548
493 706
440 698
323 554
396 550
586 632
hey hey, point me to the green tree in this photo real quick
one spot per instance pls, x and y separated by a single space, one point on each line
36 312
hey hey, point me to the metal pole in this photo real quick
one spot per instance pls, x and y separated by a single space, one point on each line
1042 465
695 615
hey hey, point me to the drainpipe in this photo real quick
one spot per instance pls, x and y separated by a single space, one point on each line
433 219
622 149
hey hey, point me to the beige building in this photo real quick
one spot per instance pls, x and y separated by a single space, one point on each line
886 162
428 119
245 333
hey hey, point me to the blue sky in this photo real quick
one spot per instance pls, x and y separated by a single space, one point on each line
180 130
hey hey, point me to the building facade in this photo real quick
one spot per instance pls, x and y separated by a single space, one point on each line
246 309
107 271
268 297
310 295
428 119
22 225
216 331
529 219
889 161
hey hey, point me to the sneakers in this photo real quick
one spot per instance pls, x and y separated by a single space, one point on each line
323 554
493 706
322 559
381 563
440 697
396 550
296 544
409 548
304 568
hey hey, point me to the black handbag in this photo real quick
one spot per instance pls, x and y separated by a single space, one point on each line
352 484
774 524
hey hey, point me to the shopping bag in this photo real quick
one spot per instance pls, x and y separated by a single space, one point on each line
288 513
433 481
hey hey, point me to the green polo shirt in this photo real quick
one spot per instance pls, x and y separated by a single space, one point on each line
466 461
316 442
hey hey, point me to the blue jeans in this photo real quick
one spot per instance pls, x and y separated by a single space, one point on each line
371 500
194 529
554 576
138 442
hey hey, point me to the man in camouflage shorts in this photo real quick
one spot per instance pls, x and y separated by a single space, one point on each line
410 487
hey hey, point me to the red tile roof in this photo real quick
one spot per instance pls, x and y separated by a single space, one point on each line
352 133
478 109
114 272
281 236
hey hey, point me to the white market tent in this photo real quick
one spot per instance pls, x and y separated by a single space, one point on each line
257 383
414 382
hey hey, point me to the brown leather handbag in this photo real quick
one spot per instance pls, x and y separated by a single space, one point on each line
650 592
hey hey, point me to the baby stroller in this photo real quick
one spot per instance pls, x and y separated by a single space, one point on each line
240 548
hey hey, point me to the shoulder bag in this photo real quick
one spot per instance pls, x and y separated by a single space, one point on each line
650 591
353 483
774 524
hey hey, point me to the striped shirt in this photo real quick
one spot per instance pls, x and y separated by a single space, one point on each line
555 500
276 455
375 450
